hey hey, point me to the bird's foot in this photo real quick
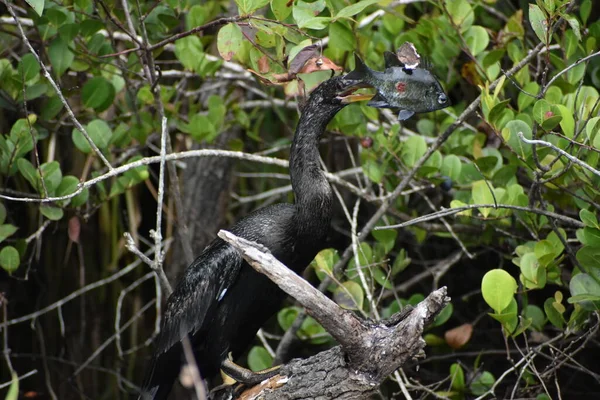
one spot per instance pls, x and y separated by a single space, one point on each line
246 376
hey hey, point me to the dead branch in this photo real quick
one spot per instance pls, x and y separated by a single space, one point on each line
368 353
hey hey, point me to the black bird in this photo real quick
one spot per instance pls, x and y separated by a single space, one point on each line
221 302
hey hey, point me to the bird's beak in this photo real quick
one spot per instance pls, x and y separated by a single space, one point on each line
348 95
355 97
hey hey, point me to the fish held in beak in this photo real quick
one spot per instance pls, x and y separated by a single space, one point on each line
406 87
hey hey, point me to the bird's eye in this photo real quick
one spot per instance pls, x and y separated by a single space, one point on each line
442 98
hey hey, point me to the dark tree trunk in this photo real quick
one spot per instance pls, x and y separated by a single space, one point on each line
205 184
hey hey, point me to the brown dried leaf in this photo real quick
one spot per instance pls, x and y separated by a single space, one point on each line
459 336
469 72
302 57
74 229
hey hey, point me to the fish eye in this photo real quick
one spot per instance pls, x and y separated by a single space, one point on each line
442 98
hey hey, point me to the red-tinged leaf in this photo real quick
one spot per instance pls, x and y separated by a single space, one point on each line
263 65
229 41
319 64
459 336
74 229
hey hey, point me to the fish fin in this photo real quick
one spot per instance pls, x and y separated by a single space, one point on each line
360 70
405 114
378 101
391 60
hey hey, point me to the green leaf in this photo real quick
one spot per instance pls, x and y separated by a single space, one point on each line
538 22
574 24
99 132
568 122
588 218
585 10
13 390
9 259
52 175
381 277
229 41
249 6
582 285
544 252
28 67
461 13
29 172
373 170
325 260
281 9
510 135
189 51
7 230
590 236
526 99
81 198
287 316
451 167
412 150
589 257
592 128
259 358
341 38
533 272
498 288
482 383
305 15
98 93
443 316
457 377
349 295
354 9
508 318
554 316
477 39
38 7
51 212
387 237
61 57
401 262
67 185
538 319
2 213
481 193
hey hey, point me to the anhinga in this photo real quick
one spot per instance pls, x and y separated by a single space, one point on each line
221 302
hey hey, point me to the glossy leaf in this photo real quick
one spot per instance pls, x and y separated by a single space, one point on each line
9 259
498 289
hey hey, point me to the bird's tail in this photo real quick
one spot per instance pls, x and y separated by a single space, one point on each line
159 378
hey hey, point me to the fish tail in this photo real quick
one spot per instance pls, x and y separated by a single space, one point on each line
361 71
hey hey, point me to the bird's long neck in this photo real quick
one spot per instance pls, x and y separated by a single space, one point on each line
311 188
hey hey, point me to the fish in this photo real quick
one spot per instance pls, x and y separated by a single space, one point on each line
406 87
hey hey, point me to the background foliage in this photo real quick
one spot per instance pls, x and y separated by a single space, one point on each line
509 225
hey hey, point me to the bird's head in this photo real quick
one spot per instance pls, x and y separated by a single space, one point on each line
336 91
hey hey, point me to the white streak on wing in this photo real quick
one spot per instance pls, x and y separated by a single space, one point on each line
222 294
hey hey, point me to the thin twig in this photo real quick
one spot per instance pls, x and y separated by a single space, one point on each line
561 151
452 211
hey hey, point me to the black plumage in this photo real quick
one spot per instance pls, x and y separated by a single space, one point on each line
220 301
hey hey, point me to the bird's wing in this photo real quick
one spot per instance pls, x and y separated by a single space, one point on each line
191 306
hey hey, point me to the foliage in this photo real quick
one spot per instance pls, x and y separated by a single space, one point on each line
513 161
